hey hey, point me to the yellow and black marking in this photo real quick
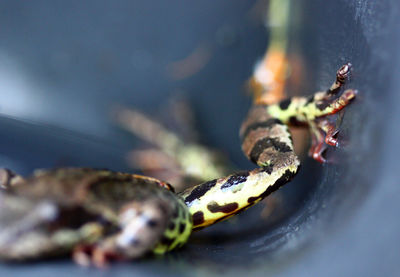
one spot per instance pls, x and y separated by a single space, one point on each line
178 230
266 141
126 216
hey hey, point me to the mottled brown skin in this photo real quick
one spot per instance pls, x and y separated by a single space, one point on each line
65 201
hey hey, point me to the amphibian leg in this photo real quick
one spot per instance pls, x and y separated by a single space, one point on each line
266 141
316 112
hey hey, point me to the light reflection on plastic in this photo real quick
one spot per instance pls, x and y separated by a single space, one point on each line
19 95
24 98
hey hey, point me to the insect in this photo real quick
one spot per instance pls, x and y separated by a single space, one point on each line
100 215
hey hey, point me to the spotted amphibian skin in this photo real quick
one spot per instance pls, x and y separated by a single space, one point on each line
266 141
101 215
96 214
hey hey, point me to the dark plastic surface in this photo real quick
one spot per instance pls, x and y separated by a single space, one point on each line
65 64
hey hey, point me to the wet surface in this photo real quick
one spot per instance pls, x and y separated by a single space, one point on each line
63 68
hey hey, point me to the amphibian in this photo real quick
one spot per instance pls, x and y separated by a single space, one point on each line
100 215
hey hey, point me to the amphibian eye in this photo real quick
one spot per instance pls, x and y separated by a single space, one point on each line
152 223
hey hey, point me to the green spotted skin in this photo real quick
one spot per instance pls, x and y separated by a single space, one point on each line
178 230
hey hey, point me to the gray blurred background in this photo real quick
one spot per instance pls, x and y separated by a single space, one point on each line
64 65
